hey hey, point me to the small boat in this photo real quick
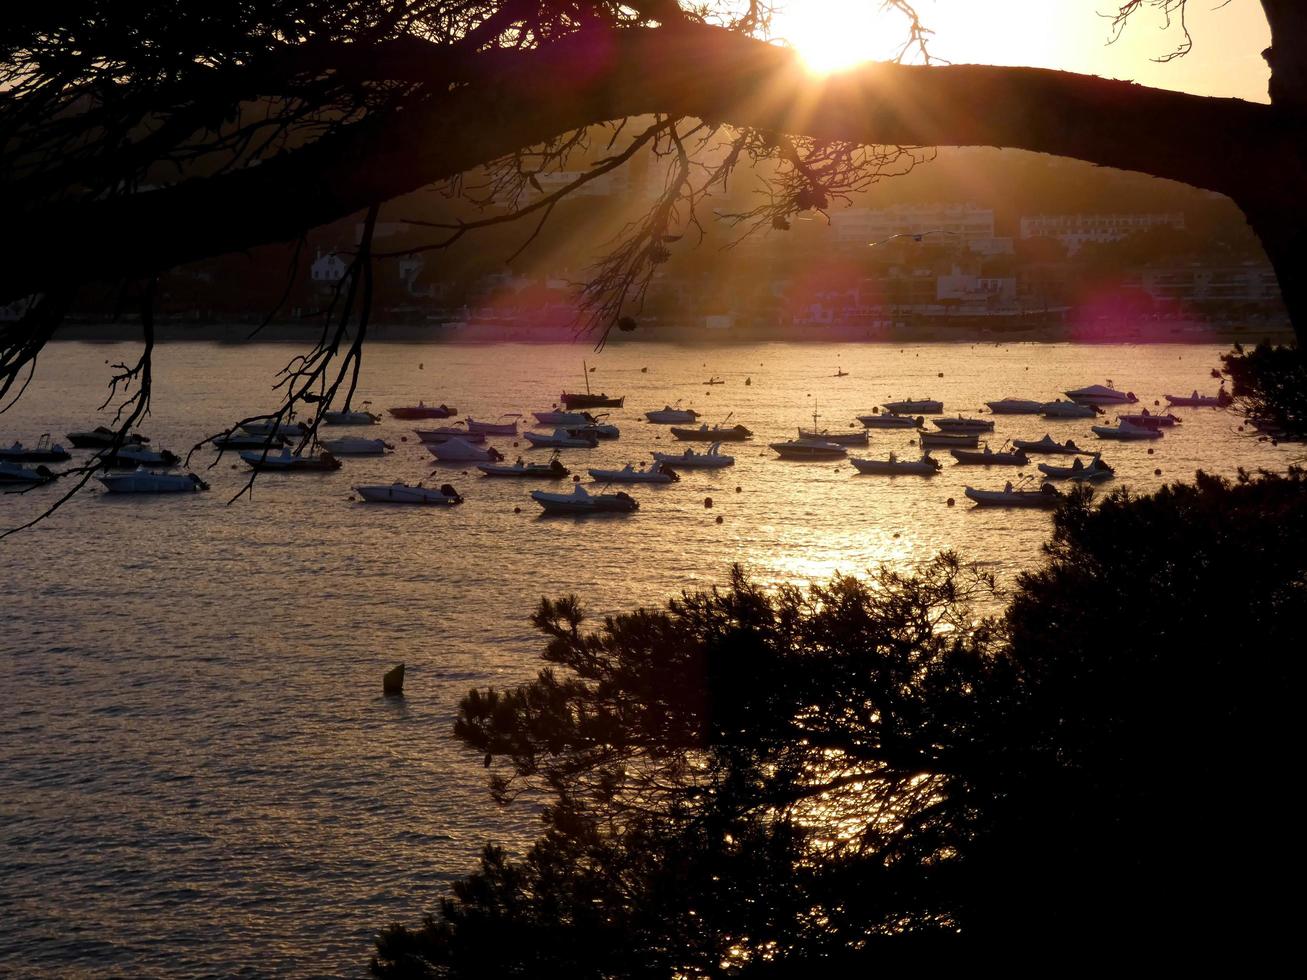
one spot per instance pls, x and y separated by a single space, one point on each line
491 428
447 432
1125 430
42 452
714 380
458 450
403 493
562 439
736 433
987 457
130 457
1101 395
1096 470
658 473
858 438
840 373
1015 406
1069 410
552 470
1048 447
243 440
809 449
598 430
422 411
564 418
142 480
589 399
1220 400
582 501
269 427
350 418
287 461
927 465
11 472
949 440
713 459
354 446
961 424
1046 497
1150 420
914 406
891 421
102 436
671 416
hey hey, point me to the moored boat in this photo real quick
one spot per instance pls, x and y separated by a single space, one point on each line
447 432
600 430
130 457
574 399
142 480
1220 400
1046 497
582 501
555 417
1096 470
403 493
562 439
287 461
716 433
346 417
927 465
949 440
422 411
960 424
1015 406
100 437
671 416
491 428
1126 431
354 446
987 457
914 406
552 470
809 449
1147 418
1069 410
889 420
43 452
1101 395
11 472
858 438
287 429
658 473
711 460
459 450
1048 447
243 440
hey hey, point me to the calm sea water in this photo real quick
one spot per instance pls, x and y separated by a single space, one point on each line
198 775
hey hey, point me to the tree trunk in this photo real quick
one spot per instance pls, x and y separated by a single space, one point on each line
1283 233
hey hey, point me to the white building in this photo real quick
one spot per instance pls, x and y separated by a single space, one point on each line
936 223
1075 230
328 268
1252 282
976 290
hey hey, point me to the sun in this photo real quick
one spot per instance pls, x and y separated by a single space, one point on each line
832 35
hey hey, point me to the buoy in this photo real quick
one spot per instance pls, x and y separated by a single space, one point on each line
707 501
951 501
403 438
896 534
419 365
1150 452
1157 472
644 370
941 374
1156 402
576 479
739 489
392 683
719 518
517 510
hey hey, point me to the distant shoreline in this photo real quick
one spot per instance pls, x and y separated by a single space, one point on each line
1159 332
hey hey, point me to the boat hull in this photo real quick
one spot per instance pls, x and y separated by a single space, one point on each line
890 422
422 412
925 406
884 467
401 493
1015 406
578 400
151 483
969 458
1015 498
737 434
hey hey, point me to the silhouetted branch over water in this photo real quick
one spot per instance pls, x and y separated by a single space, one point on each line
761 782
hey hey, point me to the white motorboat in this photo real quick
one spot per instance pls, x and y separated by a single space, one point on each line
447 432
1148 419
713 459
1069 410
1096 470
1219 400
858 438
1125 430
1015 406
460 450
552 470
949 440
43 452
716 433
11 472
987 457
287 461
891 421
423 411
403 493
130 457
809 449
142 480
287 429
598 430
961 424
582 501
1046 497
672 416
491 428
927 465
100 437
658 473
556 417
561 439
355 446
243 440
1048 447
915 406
350 418
1101 395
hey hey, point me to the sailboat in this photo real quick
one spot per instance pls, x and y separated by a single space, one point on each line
589 399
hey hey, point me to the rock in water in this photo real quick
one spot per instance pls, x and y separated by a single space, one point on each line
392 683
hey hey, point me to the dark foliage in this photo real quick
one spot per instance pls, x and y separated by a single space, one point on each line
1270 384
765 783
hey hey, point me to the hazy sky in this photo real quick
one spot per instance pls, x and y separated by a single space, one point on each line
1070 34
